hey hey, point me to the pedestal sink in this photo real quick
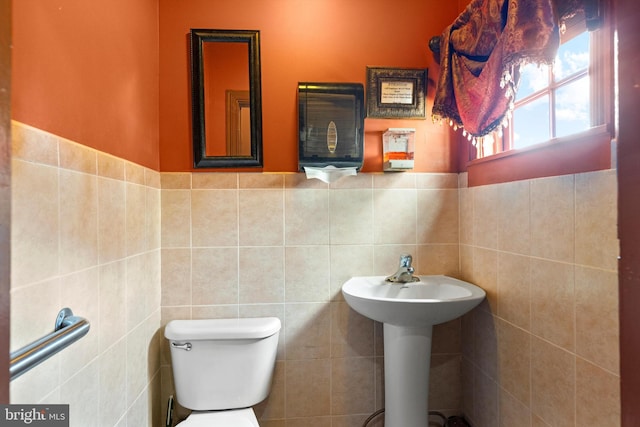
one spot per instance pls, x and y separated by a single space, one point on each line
408 312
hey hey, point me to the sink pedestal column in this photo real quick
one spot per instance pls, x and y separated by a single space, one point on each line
407 359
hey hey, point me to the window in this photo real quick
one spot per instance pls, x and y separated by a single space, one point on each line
563 107
555 101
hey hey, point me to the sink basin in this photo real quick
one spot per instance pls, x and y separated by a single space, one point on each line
432 300
408 312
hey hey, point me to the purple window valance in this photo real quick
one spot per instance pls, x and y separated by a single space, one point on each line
481 53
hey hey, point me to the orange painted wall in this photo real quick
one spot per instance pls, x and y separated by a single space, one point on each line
115 76
306 40
88 71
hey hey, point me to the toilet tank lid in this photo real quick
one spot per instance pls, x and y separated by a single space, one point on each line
207 329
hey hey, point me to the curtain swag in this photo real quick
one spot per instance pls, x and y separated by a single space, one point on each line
480 57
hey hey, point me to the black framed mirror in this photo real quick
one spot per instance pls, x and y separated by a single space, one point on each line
226 98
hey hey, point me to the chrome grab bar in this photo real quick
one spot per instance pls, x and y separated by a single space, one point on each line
67 330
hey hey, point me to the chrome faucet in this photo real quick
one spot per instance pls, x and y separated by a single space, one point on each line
405 271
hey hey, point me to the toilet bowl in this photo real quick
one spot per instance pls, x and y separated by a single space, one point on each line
222 367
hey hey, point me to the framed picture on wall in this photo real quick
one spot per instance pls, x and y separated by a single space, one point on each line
396 93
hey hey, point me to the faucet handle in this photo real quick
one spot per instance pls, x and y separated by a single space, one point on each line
406 260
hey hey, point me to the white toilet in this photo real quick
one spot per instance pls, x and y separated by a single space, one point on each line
221 367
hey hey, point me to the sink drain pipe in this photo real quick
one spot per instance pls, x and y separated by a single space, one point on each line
446 422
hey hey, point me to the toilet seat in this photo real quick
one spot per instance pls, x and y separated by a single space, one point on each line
230 418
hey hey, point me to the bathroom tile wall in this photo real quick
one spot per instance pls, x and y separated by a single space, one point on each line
543 350
86 235
246 245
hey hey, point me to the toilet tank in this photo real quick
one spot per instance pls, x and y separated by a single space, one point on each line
222 363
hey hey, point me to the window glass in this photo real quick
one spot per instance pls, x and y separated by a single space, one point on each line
573 107
533 78
572 57
531 123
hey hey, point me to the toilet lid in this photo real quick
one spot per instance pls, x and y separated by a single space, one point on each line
233 418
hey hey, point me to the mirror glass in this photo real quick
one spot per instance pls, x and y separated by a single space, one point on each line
226 95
